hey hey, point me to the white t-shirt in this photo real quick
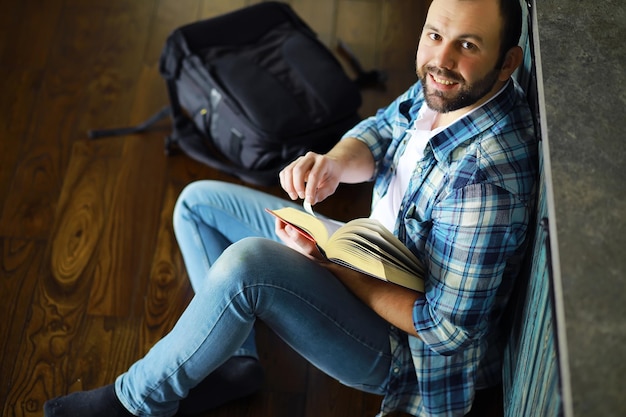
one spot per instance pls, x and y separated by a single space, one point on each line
387 208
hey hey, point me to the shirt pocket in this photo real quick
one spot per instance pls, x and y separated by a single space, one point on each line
417 232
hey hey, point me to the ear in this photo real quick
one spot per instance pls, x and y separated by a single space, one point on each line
512 60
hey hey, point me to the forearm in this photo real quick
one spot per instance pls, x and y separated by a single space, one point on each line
392 302
314 177
356 159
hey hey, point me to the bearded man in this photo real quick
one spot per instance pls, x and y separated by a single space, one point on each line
454 161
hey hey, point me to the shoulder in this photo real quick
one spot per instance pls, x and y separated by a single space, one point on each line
503 150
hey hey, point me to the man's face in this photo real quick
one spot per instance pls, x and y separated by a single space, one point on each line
458 52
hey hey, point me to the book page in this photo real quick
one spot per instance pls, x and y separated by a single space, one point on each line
361 244
372 230
379 247
352 256
318 228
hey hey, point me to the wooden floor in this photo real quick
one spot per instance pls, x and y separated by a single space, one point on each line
90 274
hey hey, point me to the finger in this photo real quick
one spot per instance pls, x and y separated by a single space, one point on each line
321 182
286 182
315 179
289 179
279 225
300 243
310 192
289 236
301 172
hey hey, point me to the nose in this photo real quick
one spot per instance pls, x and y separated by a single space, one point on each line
446 56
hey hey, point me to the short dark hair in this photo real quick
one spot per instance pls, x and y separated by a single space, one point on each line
511 13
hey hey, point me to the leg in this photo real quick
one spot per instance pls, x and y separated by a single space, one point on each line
210 216
298 299
301 301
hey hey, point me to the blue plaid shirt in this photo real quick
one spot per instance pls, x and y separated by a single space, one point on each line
465 215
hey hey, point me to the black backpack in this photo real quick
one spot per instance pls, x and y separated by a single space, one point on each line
252 90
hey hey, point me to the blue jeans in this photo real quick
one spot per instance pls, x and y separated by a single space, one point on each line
240 272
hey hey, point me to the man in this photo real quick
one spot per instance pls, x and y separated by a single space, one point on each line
453 159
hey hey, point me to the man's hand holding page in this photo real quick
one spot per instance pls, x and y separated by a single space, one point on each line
294 239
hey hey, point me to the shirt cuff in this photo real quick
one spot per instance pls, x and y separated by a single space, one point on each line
438 333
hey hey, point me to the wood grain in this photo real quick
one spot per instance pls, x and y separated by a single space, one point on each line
90 272
168 289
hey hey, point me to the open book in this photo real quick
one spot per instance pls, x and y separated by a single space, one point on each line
361 244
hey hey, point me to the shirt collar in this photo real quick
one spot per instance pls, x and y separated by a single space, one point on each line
478 120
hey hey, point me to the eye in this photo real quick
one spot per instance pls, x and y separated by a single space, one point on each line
434 36
467 45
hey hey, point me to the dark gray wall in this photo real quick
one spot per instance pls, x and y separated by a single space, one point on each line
583 57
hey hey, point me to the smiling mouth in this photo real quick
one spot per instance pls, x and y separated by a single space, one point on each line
442 81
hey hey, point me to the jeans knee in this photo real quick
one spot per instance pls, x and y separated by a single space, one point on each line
189 195
243 260
193 194
247 254
181 208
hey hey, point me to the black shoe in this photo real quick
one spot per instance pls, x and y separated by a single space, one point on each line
238 377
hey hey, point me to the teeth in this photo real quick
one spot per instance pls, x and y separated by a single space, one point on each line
444 82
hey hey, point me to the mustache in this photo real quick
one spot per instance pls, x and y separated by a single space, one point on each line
444 73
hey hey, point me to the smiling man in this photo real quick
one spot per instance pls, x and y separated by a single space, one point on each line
454 165
462 61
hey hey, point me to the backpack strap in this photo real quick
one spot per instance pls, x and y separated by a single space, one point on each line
121 131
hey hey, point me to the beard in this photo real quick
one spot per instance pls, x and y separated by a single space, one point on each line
467 94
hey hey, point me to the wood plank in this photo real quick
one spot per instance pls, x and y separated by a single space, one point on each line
401 26
150 97
8 12
274 404
401 23
169 15
122 264
116 64
61 113
169 290
16 105
104 348
212 8
54 322
327 397
397 82
82 213
62 298
286 371
27 36
359 26
321 16
22 88
27 32
31 197
20 266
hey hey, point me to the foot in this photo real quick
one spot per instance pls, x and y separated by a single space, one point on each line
101 402
239 377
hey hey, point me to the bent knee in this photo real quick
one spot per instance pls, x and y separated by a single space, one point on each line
250 252
187 198
195 192
254 258
198 194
